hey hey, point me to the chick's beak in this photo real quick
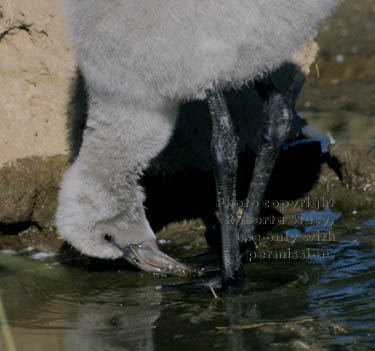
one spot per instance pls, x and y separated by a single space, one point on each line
148 257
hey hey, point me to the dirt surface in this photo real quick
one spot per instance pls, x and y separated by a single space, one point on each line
28 192
347 178
356 167
36 67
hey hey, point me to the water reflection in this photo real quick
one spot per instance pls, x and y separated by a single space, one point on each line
114 323
284 304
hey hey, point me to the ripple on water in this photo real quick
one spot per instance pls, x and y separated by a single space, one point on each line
320 304
344 293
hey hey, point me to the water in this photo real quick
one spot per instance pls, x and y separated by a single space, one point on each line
311 303
341 126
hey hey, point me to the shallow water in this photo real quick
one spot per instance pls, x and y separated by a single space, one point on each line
344 126
316 302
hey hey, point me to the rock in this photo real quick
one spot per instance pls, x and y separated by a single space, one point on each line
28 190
300 345
30 242
354 166
346 181
340 329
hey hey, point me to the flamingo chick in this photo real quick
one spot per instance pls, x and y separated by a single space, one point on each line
140 59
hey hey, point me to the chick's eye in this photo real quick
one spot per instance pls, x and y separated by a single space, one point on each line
108 237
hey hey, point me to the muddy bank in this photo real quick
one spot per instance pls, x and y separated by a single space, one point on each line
347 178
28 200
29 188
28 191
